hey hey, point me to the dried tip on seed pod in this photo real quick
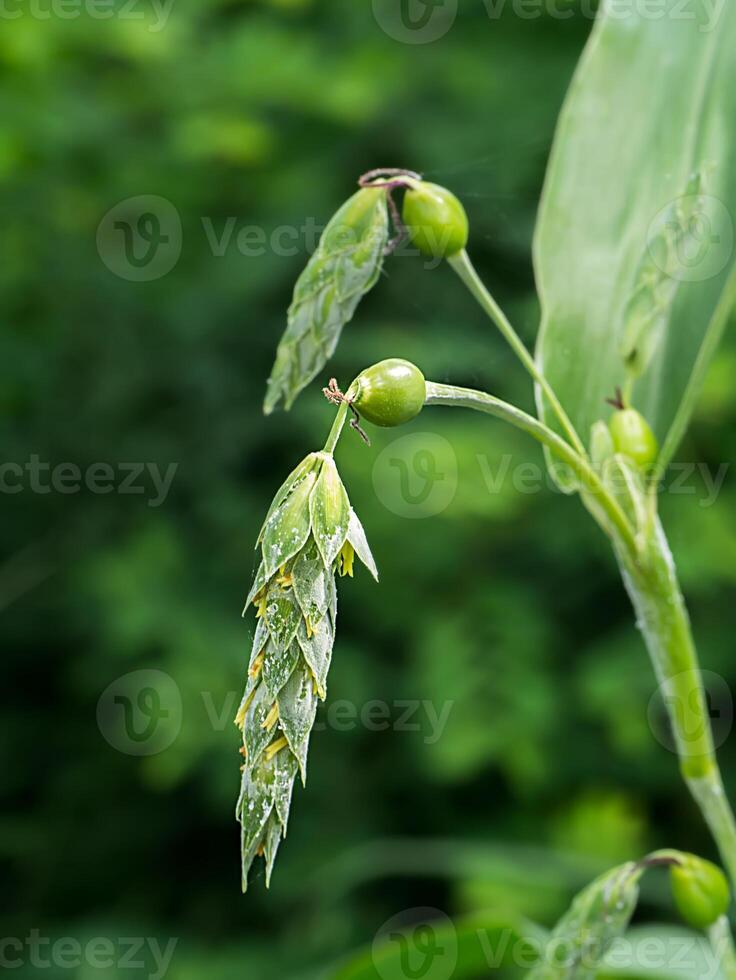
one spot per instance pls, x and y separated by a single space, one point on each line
436 220
310 535
700 891
633 437
389 393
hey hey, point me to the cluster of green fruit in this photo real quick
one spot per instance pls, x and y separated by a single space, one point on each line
392 392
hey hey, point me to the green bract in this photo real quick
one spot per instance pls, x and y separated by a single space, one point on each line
700 891
596 918
344 267
632 436
436 220
389 393
310 534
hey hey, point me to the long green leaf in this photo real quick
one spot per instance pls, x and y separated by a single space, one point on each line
634 248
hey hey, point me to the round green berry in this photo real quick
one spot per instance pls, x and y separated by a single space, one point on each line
700 891
633 437
436 220
390 393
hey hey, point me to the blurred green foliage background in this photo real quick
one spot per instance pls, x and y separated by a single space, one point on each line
505 604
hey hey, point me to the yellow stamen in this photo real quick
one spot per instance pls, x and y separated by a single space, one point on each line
275 747
319 691
243 711
310 628
347 557
260 603
285 580
255 668
271 718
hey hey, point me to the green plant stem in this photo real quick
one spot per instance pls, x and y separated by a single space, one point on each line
336 430
480 401
721 940
651 581
663 619
466 271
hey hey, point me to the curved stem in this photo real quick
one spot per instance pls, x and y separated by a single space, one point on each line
662 616
480 401
651 581
466 271
337 427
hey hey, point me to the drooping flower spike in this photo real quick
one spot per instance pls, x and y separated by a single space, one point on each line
311 534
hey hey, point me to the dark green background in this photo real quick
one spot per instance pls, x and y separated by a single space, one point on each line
506 603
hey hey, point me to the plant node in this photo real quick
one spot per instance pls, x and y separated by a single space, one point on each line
336 397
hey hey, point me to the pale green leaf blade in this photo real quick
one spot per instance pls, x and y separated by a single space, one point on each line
330 511
260 637
259 583
278 663
285 767
312 583
317 649
287 529
359 541
271 841
255 736
295 477
346 264
634 243
283 616
297 709
254 808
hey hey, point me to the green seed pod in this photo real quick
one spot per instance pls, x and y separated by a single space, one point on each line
390 393
700 891
632 436
436 220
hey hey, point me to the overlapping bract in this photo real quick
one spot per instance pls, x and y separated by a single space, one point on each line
345 265
597 917
310 535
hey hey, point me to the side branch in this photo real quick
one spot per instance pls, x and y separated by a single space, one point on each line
480 401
